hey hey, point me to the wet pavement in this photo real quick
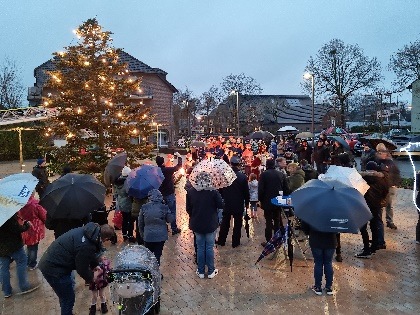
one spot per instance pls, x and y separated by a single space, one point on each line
386 284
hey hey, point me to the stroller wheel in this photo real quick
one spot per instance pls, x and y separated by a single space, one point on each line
157 306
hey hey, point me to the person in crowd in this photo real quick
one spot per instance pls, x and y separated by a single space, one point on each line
296 176
281 165
290 156
304 151
78 250
36 214
270 184
256 165
98 286
336 149
253 194
310 172
167 187
62 225
322 246
273 148
321 156
235 197
368 155
40 172
375 196
247 157
393 178
66 170
125 204
204 205
153 217
11 249
169 160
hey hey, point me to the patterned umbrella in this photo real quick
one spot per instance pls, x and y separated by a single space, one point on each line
275 242
221 174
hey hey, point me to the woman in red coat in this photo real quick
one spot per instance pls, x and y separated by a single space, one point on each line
36 214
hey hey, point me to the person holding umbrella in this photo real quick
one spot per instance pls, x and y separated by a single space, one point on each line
40 172
204 205
125 204
167 187
235 196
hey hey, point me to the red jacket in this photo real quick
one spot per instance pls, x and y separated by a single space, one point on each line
36 214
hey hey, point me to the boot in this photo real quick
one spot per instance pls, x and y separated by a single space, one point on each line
104 308
92 310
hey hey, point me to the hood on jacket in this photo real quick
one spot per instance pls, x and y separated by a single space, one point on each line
92 232
155 196
119 182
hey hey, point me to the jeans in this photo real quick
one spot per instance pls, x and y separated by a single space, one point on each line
32 253
21 260
323 265
205 252
63 287
389 215
127 224
156 248
171 202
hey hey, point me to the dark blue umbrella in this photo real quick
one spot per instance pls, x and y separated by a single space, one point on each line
274 243
143 179
331 206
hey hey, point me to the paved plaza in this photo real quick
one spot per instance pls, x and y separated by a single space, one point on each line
386 284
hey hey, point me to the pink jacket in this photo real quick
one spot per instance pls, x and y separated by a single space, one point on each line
36 214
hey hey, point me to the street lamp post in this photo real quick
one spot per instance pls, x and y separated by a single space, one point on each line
311 76
237 109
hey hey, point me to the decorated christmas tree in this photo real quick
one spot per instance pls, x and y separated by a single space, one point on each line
98 102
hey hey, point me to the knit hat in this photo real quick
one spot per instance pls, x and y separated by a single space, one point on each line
371 166
125 171
40 161
159 160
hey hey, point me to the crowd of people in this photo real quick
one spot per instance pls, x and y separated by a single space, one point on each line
263 169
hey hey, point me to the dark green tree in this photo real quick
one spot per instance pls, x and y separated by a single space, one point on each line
97 100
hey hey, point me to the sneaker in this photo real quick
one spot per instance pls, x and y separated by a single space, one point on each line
329 291
6 296
316 290
176 231
391 225
364 254
200 275
339 258
213 274
30 289
104 308
92 310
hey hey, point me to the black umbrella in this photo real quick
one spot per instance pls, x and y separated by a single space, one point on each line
247 218
331 206
114 168
261 135
375 141
340 140
289 245
73 196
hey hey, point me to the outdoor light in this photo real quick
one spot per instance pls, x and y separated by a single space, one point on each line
237 108
308 76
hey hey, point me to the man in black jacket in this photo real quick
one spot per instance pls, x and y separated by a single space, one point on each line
270 184
40 172
77 250
235 197
167 187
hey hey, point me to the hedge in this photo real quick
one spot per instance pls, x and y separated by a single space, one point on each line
32 145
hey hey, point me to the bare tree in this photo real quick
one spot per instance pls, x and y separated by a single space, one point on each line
340 70
241 84
208 103
11 89
406 65
188 104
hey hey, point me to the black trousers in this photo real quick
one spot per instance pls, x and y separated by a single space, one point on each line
156 248
272 221
224 229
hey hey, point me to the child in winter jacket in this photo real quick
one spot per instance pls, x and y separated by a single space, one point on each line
253 194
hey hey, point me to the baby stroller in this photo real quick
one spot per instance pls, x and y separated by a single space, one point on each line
135 281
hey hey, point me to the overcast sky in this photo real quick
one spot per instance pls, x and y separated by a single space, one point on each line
200 42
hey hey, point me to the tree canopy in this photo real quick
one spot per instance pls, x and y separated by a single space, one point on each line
340 69
406 64
11 90
239 83
98 101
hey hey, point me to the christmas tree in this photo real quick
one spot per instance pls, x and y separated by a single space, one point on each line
97 100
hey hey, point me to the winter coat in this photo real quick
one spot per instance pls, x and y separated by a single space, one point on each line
270 183
321 240
321 154
378 190
123 199
203 207
167 187
391 171
296 179
236 195
335 151
75 250
153 218
253 190
366 157
36 214
304 152
40 172
10 236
